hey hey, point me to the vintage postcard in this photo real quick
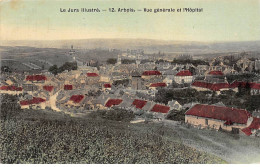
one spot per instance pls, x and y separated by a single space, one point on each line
130 82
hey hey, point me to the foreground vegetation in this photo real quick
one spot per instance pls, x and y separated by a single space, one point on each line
30 136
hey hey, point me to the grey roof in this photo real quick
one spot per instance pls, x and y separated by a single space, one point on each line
127 102
148 105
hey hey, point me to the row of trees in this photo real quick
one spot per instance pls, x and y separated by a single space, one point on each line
66 66
189 61
241 99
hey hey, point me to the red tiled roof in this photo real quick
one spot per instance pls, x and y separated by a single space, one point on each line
48 88
211 86
252 85
216 73
11 88
236 84
36 78
112 102
107 85
146 73
68 87
92 74
254 125
76 98
218 86
35 100
160 108
220 113
184 73
161 84
247 131
139 103
255 86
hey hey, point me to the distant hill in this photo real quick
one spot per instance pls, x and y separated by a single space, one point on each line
148 45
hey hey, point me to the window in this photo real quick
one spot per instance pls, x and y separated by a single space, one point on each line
235 131
206 121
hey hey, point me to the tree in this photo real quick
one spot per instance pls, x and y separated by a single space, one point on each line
176 115
128 61
244 89
53 69
111 61
66 66
5 69
192 70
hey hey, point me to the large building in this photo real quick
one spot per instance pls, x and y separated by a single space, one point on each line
218 117
183 77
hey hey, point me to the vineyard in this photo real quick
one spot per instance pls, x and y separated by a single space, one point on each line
29 136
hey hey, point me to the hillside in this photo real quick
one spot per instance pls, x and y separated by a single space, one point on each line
148 45
29 136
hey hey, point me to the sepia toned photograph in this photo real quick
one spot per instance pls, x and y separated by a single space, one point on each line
130 82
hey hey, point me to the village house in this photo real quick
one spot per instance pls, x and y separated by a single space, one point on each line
160 108
253 129
106 86
139 103
169 76
126 102
216 73
155 86
30 87
217 117
36 79
174 105
34 103
68 87
13 90
48 88
75 101
92 78
113 102
184 77
254 87
151 74
136 80
206 86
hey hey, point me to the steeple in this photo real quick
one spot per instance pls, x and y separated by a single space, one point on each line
72 53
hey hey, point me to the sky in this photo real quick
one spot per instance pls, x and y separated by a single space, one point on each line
221 20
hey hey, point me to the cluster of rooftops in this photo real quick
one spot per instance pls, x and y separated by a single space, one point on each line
227 114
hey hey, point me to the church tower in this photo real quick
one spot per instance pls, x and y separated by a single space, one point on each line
72 53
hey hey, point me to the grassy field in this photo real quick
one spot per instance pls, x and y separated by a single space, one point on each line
30 136
235 149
